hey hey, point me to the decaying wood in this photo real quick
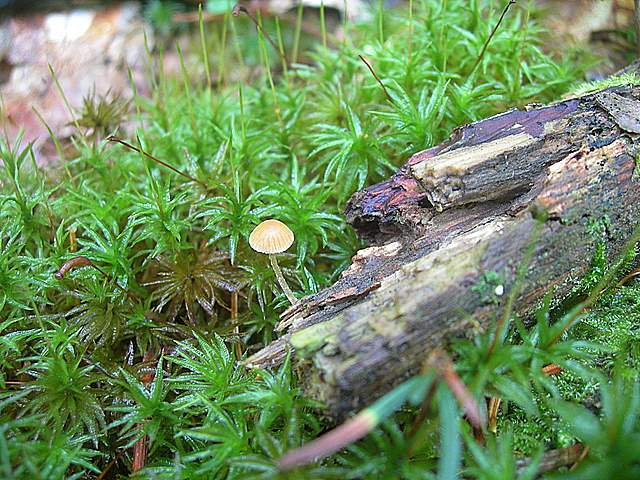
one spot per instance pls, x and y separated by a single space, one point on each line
453 214
554 459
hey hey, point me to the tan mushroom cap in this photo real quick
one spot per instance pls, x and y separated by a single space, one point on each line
271 236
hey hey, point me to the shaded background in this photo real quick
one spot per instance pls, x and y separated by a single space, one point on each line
91 45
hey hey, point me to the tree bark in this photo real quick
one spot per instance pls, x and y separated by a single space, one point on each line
449 231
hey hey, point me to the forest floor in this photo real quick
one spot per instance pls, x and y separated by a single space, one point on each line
129 293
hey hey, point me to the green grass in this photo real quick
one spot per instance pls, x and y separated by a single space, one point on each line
147 343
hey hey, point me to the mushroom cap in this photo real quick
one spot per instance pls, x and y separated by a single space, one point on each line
271 236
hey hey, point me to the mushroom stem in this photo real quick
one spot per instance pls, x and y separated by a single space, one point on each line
280 278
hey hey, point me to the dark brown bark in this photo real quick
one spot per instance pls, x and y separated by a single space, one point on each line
449 216
554 459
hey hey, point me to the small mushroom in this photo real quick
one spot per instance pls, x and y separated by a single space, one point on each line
272 237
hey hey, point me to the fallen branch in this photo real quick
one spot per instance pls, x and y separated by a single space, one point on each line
554 459
453 214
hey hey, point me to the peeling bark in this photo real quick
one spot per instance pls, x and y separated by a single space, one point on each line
451 215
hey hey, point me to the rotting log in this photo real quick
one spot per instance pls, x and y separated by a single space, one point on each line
449 216
554 459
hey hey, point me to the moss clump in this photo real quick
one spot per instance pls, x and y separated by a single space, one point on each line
623 79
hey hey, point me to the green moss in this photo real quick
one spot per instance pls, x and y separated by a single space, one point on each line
624 79
487 285
315 337
613 328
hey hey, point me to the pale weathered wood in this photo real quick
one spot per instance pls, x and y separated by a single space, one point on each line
452 214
